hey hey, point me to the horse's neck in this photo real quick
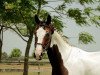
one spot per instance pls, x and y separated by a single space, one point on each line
64 48
59 71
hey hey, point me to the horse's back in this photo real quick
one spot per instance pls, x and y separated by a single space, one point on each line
92 63
95 55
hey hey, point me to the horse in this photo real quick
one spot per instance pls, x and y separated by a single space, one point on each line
56 61
76 60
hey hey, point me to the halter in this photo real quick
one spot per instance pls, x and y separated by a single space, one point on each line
46 46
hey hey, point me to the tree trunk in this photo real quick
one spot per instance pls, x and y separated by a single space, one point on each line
1 40
27 53
29 44
0 49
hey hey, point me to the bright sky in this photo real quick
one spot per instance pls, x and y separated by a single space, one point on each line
12 40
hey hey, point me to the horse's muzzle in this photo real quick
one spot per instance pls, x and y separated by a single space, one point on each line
38 57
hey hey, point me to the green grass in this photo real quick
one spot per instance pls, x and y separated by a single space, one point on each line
21 73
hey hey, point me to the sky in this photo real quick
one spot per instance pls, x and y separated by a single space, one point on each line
12 40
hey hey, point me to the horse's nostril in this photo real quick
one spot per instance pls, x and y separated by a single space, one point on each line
41 54
34 55
40 57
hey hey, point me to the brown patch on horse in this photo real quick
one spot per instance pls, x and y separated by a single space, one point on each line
56 61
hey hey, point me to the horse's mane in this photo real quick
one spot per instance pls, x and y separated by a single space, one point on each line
65 38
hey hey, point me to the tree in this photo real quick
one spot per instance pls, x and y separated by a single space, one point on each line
16 53
18 16
12 13
1 41
4 55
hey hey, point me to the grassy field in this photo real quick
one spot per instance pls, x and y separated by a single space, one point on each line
33 69
20 73
20 66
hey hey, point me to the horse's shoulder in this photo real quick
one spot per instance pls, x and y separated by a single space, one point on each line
78 55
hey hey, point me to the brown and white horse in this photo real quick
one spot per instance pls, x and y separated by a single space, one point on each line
77 61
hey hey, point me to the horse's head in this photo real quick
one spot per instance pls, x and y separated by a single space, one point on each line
43 33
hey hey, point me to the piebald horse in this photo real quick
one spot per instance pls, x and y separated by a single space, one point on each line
77 61
56 61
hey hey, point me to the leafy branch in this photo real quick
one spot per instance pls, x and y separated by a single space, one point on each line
85 38
9 27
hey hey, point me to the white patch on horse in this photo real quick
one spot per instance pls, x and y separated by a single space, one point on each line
40 35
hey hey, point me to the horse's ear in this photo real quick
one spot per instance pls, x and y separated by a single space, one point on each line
48 20
37 19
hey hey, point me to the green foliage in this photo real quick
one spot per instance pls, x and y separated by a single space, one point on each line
98 8
61 7
43 2
15 53
18 11
23 11
4 55
88 10
77 15
85 38
43 15
58 24
68 1
85 1
95 20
